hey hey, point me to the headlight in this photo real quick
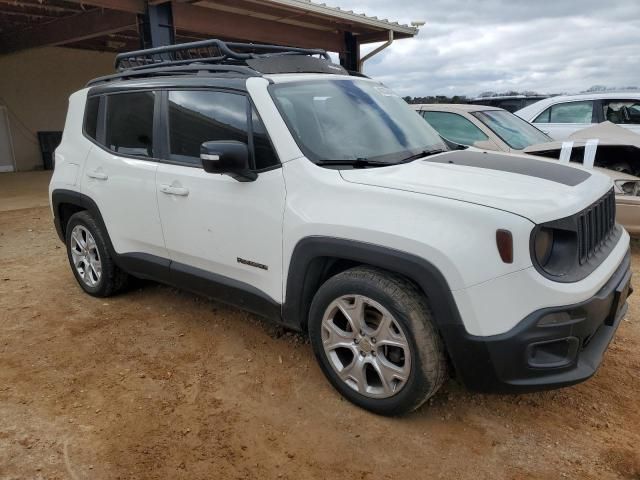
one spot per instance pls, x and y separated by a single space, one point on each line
555 250
543 244
628 187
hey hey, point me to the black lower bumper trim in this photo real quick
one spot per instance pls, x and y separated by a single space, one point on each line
551 348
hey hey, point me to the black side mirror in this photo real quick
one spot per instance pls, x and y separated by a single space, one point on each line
229 158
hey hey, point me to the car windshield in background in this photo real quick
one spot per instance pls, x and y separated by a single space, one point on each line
514 131
353 120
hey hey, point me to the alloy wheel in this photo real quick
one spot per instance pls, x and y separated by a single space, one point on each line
366 346
85 256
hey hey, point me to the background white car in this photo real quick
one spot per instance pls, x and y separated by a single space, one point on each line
491 128
563 115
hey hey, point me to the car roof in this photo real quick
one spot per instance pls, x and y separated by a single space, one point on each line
535 108
507 97
453 107
598 95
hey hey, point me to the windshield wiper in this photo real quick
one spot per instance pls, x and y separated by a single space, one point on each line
356 163
422 154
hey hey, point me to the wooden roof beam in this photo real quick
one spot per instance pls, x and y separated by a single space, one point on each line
69 29
131 6
216 23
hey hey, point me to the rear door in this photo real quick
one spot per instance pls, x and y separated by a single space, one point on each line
215 226
562 119
120 172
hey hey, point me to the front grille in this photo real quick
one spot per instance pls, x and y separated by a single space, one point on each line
595 226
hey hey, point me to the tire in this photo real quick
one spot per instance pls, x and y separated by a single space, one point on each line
399 370
101 277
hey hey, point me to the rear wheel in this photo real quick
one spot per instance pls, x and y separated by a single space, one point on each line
90 261
373 335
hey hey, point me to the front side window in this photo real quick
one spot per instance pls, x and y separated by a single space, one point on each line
196 117
350 120
570 112
514 131
621 111
454 127
543 117
129 129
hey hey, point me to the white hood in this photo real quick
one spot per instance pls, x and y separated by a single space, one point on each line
540 190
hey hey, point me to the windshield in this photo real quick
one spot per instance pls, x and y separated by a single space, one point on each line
349 120
514 131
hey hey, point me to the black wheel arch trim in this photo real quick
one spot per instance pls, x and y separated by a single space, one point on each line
71 197
417 269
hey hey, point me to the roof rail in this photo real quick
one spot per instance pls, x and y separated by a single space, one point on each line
211 52
174 70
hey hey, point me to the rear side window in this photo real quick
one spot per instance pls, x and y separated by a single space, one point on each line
454 127
196 117
129 128
621 111
91 117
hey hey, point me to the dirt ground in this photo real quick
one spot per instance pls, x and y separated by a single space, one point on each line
160 384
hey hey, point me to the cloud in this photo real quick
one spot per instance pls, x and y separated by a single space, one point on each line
472 46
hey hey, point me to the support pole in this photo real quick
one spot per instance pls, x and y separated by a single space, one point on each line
156 26
350 55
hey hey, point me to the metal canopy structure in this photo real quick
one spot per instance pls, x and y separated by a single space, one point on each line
122 25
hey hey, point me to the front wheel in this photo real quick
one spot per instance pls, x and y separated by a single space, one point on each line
374 338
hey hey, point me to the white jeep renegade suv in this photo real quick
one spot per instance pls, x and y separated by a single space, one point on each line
271 179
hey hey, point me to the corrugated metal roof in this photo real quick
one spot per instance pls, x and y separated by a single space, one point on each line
349 15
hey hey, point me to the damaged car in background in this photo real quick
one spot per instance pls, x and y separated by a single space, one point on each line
492 128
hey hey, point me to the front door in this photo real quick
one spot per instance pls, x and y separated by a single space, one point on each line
212 223
561 120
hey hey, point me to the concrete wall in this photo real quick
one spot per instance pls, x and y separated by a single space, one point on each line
35 86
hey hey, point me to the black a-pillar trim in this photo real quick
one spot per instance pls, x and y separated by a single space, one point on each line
156 26
350 57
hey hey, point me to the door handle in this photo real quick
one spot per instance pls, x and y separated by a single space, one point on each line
171 190
97 175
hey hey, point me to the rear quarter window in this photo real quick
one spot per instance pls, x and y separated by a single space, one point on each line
91 117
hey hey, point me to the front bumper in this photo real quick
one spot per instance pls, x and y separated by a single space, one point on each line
551 348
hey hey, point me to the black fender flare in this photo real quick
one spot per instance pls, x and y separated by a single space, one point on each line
139 264
301 286
63 196
417 269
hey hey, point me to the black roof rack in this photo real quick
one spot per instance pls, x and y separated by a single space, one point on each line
211 52
219 57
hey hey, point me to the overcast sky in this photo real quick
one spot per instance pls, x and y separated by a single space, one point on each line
472 46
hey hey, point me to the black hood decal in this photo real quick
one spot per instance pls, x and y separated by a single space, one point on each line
552 171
